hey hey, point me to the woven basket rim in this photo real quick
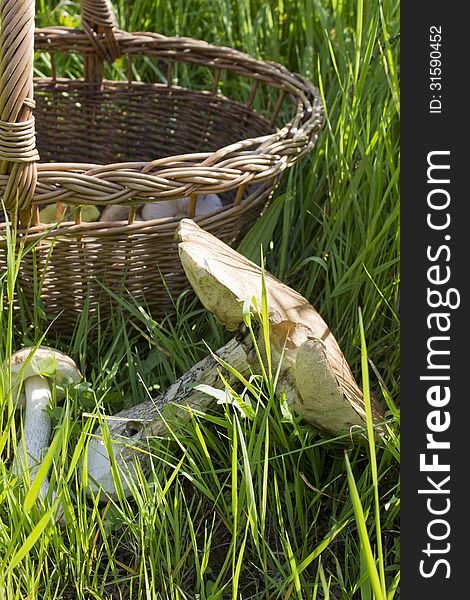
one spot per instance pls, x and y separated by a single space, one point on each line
269 154
176 49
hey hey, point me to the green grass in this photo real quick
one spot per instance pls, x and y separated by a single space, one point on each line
254 503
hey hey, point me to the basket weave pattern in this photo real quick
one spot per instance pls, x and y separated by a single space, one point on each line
97 142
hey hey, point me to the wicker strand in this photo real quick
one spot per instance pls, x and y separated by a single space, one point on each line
99 23
17 139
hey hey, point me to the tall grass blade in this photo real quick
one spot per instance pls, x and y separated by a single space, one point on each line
33 537
363 533
42 472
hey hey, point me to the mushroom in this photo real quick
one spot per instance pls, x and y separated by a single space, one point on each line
179 208
48 214
164 209
118 212
33 367
313 371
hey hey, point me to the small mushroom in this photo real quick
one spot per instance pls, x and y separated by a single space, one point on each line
48 214
34 366
178 209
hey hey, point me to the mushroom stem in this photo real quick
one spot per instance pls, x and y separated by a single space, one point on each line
129 429
36 428
37 423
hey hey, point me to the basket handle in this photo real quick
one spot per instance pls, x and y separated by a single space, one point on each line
18 151
99 23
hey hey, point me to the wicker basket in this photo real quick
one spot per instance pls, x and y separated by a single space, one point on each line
99 142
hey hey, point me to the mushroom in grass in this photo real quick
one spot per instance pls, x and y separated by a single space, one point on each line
311 369
178 209
34 367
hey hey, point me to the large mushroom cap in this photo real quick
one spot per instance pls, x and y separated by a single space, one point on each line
43 361
223 279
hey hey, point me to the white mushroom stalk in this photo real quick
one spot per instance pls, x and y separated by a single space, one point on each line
34 366
36 429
